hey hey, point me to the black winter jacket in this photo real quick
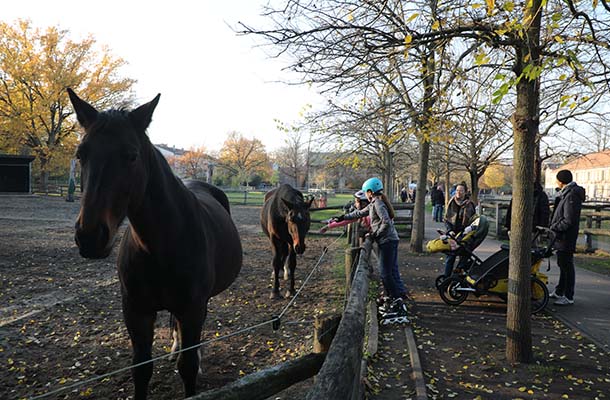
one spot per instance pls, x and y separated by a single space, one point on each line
542 210
566 216
437 197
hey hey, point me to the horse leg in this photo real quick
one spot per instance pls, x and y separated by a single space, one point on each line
292 263
286 268
279 257
140 327
190 326
173 327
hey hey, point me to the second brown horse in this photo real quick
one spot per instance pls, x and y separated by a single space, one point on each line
285 220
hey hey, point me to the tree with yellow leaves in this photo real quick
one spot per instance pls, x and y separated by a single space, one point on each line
194 163
243 158
36 67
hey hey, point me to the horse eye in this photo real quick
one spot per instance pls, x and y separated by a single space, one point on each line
131 156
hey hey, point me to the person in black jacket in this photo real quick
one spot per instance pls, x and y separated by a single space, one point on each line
564 222
438 203
542 211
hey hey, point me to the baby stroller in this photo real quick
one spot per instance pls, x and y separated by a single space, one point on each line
490 277
461 245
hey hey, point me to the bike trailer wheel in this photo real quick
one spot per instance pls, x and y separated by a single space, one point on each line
448 291
540 295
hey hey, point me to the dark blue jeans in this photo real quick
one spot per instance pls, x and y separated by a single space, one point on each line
450 261
567 275
388 265
437 212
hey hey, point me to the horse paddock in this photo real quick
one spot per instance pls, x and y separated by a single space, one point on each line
61 320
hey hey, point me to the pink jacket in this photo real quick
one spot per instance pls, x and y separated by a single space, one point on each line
366 221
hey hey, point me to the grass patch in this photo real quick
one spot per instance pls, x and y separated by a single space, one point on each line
597 262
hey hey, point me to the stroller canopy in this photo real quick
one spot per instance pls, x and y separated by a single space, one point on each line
480 227
471 240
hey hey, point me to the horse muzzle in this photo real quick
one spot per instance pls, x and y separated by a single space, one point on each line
299 248
93 243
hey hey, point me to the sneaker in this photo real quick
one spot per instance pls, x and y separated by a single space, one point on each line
397 313
554 295
563 301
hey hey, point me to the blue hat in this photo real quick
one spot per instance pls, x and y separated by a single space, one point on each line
373 184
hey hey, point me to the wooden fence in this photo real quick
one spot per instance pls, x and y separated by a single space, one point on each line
591 220
337 360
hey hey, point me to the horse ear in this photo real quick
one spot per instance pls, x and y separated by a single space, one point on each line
288 204
142 115
85 113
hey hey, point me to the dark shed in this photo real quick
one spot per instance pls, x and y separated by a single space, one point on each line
15 173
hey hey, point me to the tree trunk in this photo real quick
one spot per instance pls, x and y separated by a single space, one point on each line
388 183
525 129
474 186
419 210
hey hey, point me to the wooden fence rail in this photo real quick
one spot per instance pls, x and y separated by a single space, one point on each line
339 377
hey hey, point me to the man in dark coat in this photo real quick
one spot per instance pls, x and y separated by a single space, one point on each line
564 222
438 203
542 211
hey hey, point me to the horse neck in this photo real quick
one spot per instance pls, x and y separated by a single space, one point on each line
161 208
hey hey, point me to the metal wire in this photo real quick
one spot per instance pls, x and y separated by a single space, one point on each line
270 321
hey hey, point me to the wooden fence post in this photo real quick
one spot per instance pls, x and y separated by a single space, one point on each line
324 329
351 261
498 221
245 197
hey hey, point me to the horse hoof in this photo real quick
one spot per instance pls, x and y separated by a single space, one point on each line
289 294
274 295
286 276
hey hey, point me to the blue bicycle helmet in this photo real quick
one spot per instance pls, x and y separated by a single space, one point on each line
372 184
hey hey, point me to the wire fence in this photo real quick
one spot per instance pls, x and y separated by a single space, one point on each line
274 321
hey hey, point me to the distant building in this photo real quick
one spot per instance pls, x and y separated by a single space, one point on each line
591 171
15 173
171 153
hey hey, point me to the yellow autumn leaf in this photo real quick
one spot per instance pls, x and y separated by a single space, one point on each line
412 17
491 4
477 5
408 39
522 389
241 373
350 17
436 25
558 39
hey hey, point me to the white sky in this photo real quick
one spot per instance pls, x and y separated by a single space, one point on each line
211 81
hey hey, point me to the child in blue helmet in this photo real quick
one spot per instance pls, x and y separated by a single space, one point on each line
384 233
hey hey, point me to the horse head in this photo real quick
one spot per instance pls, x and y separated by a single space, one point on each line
113 154
298 222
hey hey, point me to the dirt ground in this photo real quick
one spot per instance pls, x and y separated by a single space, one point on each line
61 321
463 348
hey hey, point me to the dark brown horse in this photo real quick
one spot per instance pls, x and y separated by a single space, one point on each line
285 221
181 246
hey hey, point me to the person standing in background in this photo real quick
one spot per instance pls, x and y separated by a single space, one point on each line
565 222
438 203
